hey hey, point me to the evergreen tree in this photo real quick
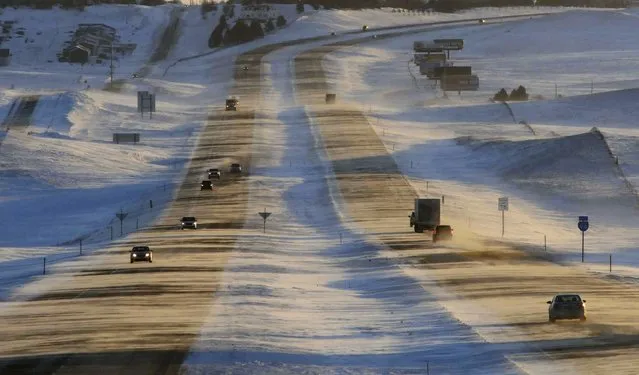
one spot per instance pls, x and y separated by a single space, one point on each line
256 29
217 36
281 21
521 93
513 95
239 33
501 96
270 26
228 7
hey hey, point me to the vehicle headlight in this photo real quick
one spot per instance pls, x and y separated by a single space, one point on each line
146 255
182 223
134 255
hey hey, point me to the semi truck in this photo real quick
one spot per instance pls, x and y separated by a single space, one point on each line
232 103
426 215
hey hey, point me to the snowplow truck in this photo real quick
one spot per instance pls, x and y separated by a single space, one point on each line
426 215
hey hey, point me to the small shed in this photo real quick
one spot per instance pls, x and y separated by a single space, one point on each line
5 56
78 54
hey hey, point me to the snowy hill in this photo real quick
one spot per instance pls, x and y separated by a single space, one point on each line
571 168
611 110
45 31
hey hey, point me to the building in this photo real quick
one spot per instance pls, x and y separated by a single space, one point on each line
260 12
5 56
97 29
78 54
101 42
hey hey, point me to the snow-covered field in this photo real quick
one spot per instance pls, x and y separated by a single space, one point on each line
473 151
69 154
34 64
63 178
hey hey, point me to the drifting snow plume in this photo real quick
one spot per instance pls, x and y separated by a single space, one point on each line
52 113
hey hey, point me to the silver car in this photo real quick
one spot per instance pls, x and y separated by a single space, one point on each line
566 306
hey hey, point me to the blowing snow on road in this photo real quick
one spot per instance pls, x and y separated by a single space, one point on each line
333 280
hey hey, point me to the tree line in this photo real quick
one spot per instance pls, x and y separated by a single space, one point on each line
242 31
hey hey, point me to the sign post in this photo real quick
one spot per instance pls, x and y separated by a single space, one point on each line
264 216
583 226
502 205
121 215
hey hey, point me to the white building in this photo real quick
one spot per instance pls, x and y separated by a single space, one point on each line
262 12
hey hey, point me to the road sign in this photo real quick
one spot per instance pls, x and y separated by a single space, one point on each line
141 96
121 215
264 216
146 102
502 204
583 224
126 138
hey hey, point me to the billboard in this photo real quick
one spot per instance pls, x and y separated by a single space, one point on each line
460 83
427 47
435 57
452 70
428 67
430 48
450 44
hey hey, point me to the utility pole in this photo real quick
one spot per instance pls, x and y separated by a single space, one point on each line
111 65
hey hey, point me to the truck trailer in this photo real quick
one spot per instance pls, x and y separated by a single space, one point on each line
426 215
